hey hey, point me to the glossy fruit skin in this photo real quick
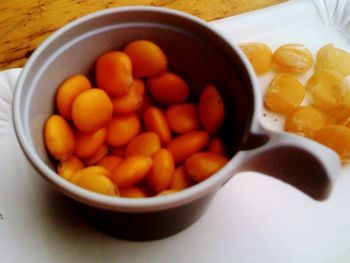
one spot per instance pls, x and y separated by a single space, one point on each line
92 110
201 165
162 170
259 55
110 162
180 180
339 116
95 179
87 144
114 73
99 155
305 121
155 121
284 94
183 118
131 101
330 57
147 58
67 93
59 137
69 167
211 109
131 170
216 145
145 144
187 144
168 88
325 91
337 138
293 58
122 129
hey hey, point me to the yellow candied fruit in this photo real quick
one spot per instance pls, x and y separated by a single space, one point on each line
325 90
338 116
327 77
293 58
337 138
304 121
345 94
343 113
347 122
284 94
330 57
259 55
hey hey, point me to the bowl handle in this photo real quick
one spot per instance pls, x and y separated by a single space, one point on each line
298 161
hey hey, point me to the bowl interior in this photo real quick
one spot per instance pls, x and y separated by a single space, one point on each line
194 51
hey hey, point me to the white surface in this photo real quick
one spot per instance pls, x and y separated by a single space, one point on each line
254 218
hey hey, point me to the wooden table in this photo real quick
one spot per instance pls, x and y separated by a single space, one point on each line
25 24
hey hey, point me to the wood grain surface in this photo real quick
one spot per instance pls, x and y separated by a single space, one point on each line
25 24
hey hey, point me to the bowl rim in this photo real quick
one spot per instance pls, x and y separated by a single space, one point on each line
156 203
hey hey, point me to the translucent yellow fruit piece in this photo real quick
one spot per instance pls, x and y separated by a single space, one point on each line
330 57
259 55
346 95
293 58
339 116
284 94
328 77
322 99
95 179
305 120
343 62
325 89
337 138
345 111
346 123
325 57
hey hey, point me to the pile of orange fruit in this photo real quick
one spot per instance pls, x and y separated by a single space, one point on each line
136 133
